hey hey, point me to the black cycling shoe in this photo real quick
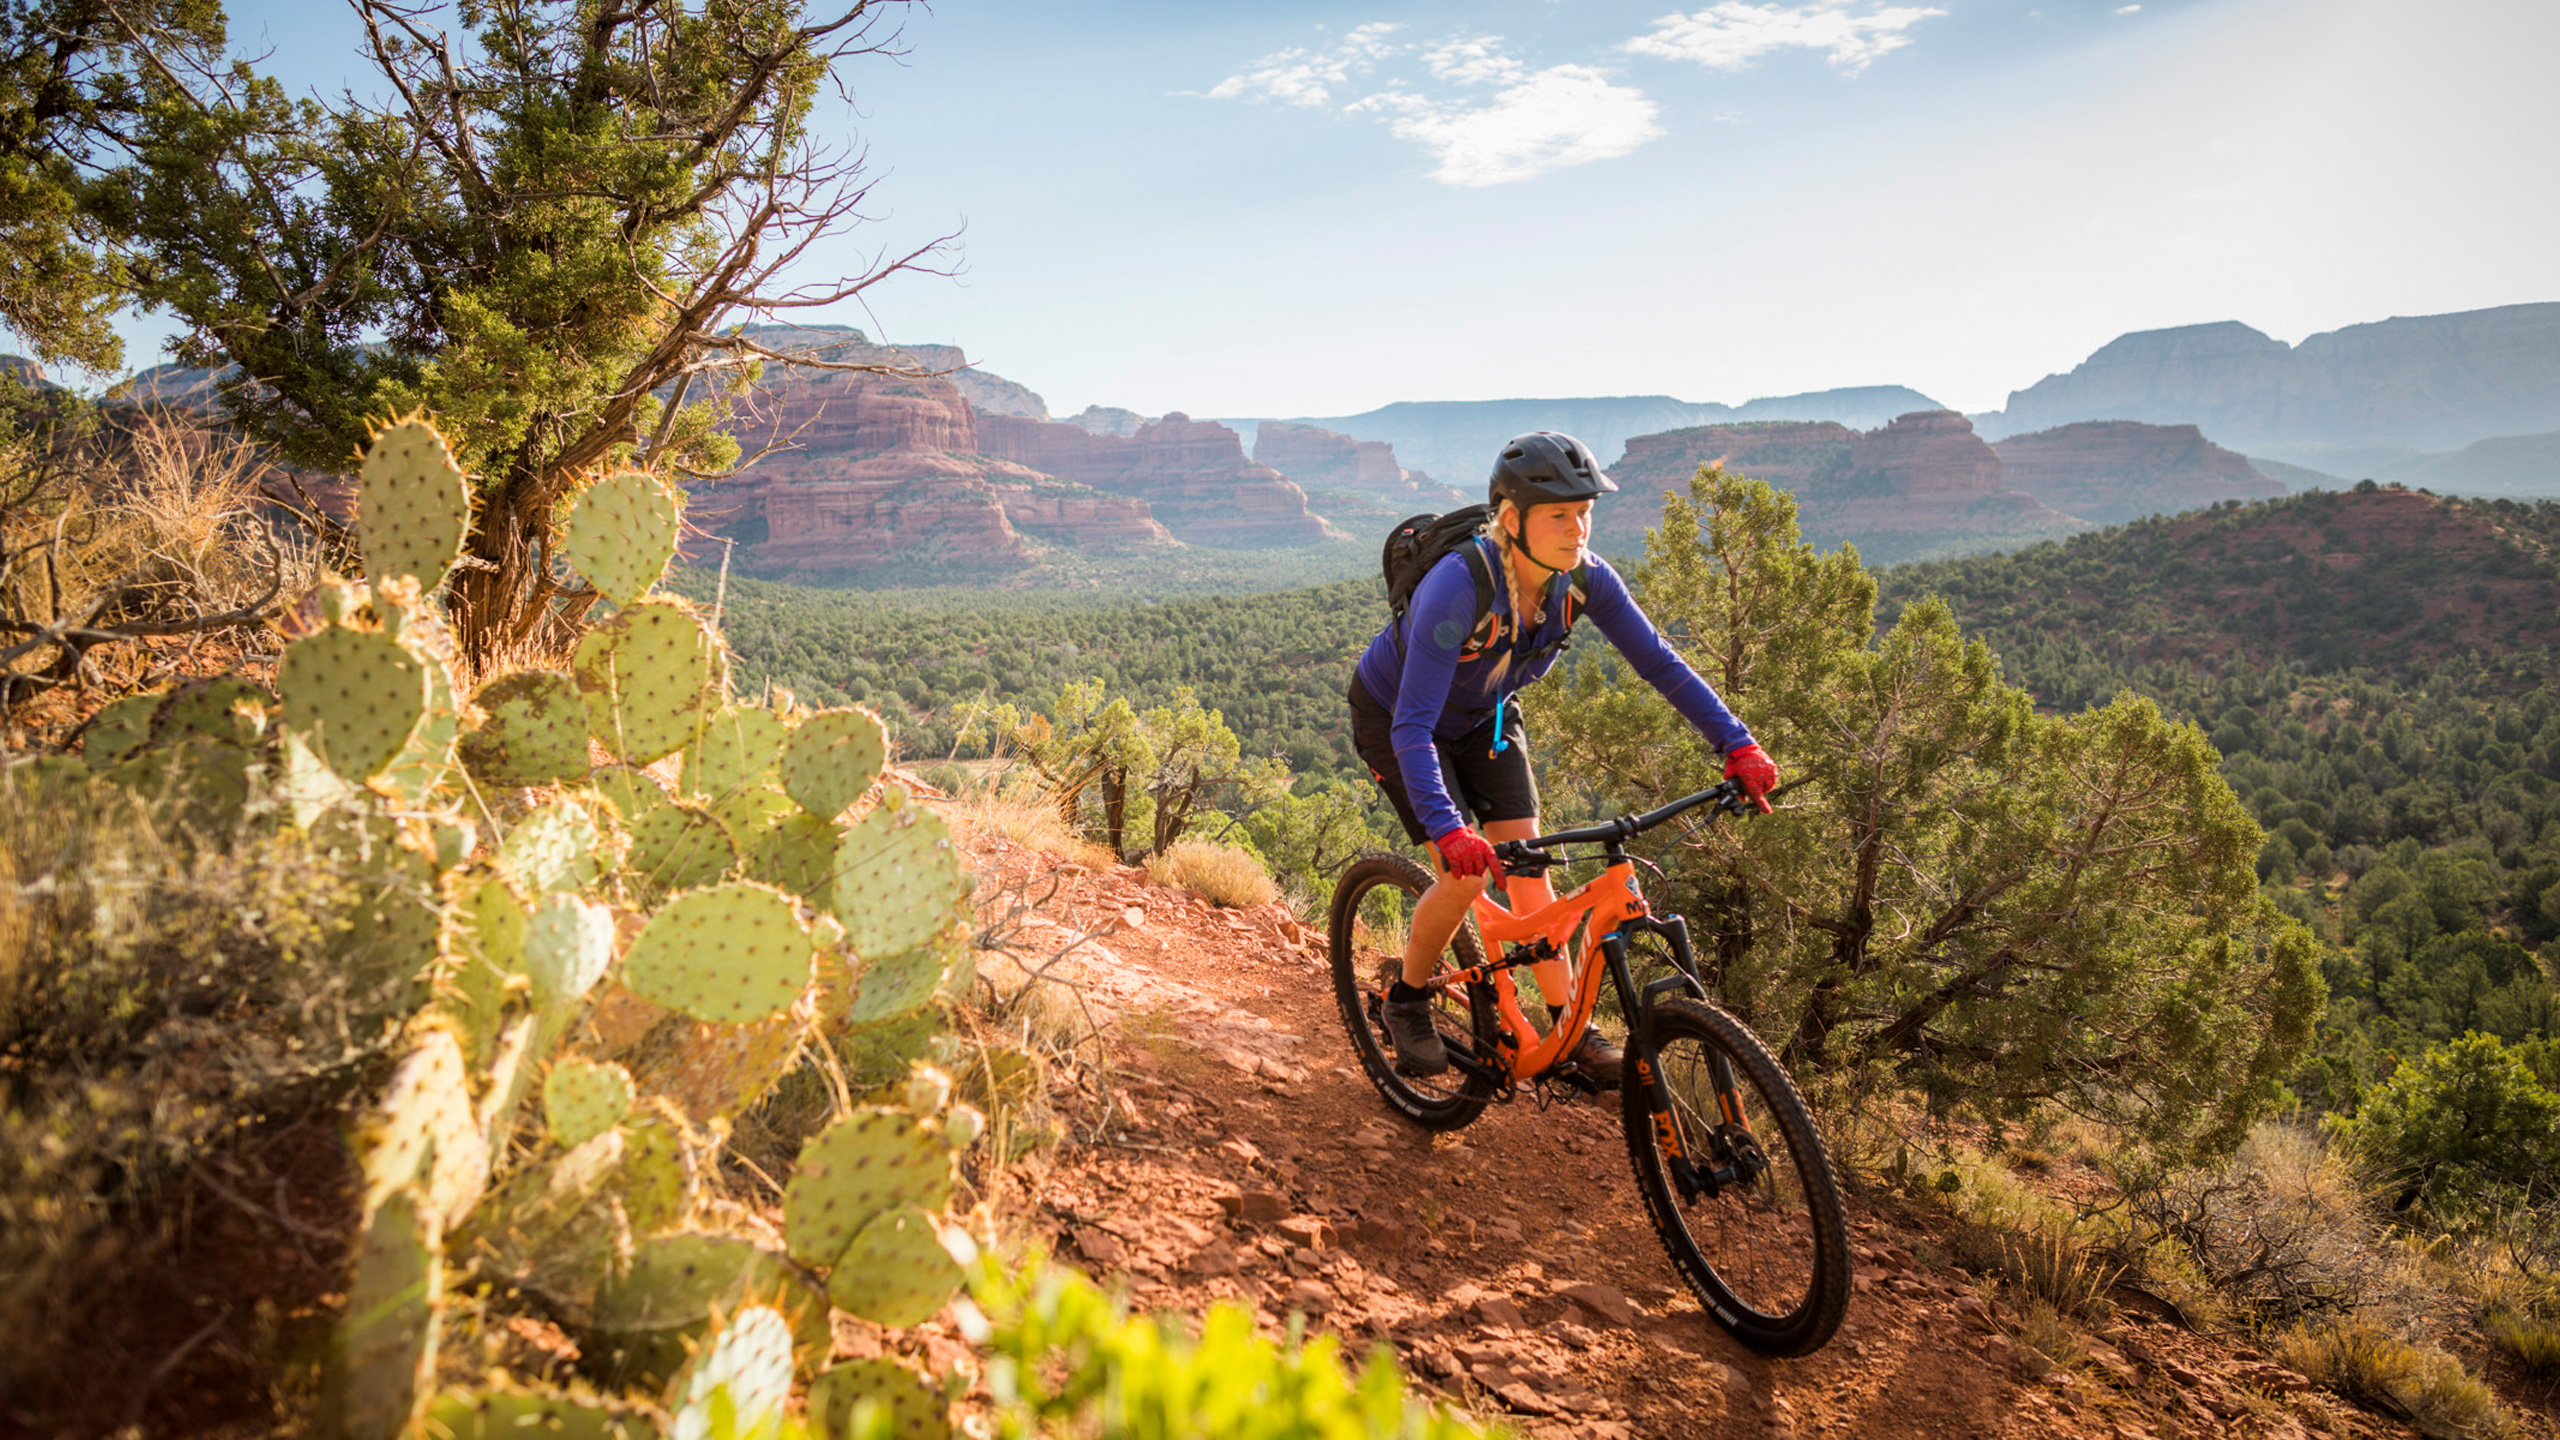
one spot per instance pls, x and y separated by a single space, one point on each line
1417 1041
1600 1059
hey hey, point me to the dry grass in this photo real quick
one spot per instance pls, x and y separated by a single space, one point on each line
1220 874
2360 1359
2535 1343
1029 821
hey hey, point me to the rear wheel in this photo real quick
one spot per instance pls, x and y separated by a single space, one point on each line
1768 1251
1372 911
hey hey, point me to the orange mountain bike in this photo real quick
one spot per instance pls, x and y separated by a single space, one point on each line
1737 1183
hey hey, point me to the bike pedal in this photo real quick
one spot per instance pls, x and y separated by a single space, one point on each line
1573 1075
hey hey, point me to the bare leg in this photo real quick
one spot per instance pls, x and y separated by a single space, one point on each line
1443 907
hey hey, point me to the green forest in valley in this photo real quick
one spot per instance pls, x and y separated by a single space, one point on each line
2375 668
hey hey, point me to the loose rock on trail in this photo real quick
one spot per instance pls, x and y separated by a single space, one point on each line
1509 1264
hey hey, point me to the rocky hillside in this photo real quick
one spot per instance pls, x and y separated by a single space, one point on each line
2111 471
1924 484
1315 456
1193 474
2428 382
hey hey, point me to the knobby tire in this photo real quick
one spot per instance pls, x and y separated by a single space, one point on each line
1360 975
1769 1260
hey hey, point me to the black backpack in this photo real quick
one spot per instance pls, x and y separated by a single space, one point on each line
1420 541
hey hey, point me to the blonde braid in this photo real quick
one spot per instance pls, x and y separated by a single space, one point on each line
1524 600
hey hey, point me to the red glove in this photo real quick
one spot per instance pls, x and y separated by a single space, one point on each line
1466 853
1757 774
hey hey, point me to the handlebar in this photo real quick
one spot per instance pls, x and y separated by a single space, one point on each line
1526 856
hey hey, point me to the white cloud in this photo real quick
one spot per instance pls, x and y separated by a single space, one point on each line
1485 118
2127 9
1539 121
1298 76
1733 34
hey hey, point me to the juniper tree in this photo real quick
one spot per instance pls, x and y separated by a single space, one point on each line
1998 907
545 232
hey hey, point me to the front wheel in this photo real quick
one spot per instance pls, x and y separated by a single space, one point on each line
1372 911
1763 1241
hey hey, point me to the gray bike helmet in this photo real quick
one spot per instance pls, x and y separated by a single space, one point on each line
1543 467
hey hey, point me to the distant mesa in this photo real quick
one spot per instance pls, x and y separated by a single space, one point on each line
1193 474
1108 420
2111 471
2344 401
1328 459
1455 440
1919 486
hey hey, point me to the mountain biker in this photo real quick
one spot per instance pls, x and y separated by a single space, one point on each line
1432 714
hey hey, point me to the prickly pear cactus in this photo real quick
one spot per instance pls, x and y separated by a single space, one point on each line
568 942
519 1414
622 532
831 758
582 1099
554 848
358 693
732 953
872 1161
898 879
225 707
897 985
747 814
676 847
736 1390
651 1314
714 1072
657 1180
738 745
632 793
385 1353
651 677
797 854
119 729
423 1137
914 1405
898 1271
411 503
535 733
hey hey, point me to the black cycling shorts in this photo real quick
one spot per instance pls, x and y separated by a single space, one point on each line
1487 786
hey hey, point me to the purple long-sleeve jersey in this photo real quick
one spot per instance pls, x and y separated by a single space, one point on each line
1412 669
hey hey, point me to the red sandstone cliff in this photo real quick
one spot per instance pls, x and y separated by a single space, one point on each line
2110 471
881 469
1193 474
1922 484
1313 455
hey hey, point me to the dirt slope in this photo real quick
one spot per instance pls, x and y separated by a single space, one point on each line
1510 1264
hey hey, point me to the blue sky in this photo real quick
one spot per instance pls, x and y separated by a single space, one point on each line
1237 209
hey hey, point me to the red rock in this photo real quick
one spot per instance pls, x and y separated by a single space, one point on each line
1923 480
1501 1310
2110 471
1526 1401
1604 1302
1313 455
1192 473
1307 1232
1311 1296
1102 1247
1254 1207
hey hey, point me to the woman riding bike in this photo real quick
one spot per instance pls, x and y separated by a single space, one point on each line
1432 712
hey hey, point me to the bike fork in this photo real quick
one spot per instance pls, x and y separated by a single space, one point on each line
1667 1139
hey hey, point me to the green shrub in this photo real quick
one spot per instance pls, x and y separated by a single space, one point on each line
2461 1128
1068 1360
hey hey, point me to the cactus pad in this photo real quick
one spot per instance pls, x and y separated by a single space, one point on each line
872 1161
522 1414
677 1285
798 855
632 793
359 695
831 758
226 708
676 847
427 761
749 813
411 504
898 880
731 953
914 1405
897 985
554 848
621 533
744 1380
897 1271
737 747
582 1099
656 1178
568 942
118 730
651 679
423 1138
386 1345
711 1071
536 731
